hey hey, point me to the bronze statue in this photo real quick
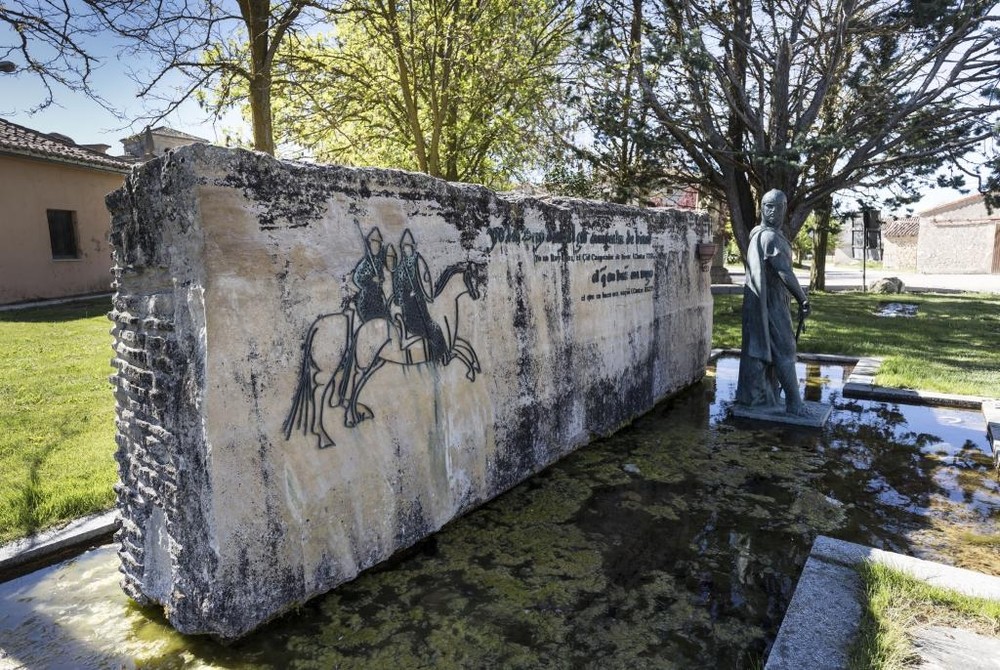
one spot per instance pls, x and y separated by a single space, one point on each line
767 361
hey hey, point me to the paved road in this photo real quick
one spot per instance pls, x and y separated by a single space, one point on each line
845 278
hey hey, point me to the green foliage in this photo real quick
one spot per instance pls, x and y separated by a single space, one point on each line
950 346
802 244
609 125
457 90
991 187
57 416
570 178
733 252
182 49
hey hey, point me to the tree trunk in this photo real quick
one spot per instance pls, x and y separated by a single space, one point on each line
817 273
260 111
821 236
408 90
742 208
256 16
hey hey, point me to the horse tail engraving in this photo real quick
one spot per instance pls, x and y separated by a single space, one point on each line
302 414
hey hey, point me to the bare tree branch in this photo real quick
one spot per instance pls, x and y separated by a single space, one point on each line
819 96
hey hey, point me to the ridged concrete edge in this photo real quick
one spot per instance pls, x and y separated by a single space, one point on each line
823 616
76 534
861 384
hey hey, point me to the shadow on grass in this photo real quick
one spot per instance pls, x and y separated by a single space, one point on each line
40 499
72 311
950 340
30 496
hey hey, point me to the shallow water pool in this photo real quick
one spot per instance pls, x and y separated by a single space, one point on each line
674 543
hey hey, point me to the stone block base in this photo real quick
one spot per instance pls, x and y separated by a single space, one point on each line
318 366
818 414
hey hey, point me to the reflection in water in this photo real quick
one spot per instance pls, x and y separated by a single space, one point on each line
674 543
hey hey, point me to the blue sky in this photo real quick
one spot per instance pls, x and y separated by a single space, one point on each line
87 122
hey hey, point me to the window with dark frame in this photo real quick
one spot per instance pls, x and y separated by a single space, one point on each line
62 233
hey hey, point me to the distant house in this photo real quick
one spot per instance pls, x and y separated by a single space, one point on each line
684 197
54 222
959 237
899 243
153 142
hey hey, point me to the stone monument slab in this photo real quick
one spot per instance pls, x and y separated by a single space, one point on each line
318 366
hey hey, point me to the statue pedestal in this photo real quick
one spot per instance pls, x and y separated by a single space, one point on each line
818 414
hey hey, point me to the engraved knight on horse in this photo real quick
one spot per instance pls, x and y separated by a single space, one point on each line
417 323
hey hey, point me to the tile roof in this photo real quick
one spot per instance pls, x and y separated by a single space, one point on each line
20 141
908 227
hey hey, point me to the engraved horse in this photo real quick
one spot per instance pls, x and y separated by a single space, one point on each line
340 356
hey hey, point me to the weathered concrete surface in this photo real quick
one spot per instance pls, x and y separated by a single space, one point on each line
297 400
942 648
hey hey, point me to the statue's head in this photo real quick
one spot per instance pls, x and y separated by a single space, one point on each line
772 208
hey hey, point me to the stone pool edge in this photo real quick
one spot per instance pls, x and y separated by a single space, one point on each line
861 384
822 619
41 549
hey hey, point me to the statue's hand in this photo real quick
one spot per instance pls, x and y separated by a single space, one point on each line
804 309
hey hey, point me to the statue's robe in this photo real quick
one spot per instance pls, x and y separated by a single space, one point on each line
768 335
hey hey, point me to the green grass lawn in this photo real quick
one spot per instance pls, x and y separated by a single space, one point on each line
952 345
56 416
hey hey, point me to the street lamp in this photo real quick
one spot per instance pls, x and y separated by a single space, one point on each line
7 66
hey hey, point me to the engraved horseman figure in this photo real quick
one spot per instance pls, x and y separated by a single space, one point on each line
412 291
370 302
418 323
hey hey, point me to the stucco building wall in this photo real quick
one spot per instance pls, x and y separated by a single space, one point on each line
28 188
959 237
956 247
